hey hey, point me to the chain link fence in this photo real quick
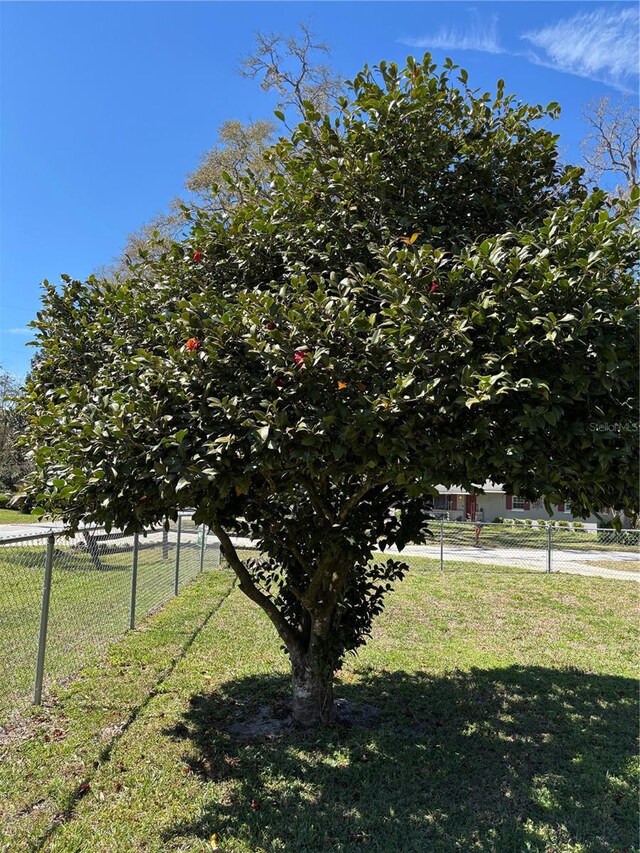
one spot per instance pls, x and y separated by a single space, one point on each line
64 599
538 546
535 547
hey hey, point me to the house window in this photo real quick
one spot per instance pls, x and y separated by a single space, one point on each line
444 502
567 507
517 502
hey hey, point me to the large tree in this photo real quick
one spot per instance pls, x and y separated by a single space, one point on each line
422 297
612 141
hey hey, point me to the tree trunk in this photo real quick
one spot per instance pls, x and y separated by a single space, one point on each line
312 690
93 550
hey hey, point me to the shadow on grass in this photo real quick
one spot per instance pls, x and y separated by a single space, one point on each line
514 759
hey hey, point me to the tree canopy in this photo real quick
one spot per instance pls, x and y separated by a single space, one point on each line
422 296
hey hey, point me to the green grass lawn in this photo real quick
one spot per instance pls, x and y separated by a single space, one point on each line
10 516
617 565
507 720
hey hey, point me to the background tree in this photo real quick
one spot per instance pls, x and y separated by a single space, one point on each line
241 151
611 144
13 461
423 297
287 65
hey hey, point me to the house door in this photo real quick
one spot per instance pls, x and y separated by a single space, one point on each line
470 507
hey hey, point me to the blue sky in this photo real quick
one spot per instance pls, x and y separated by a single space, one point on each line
107 106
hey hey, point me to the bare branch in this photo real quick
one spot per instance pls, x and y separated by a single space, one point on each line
611 145
289 67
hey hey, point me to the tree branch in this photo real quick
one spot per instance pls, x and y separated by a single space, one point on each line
355 498
319 504
287 634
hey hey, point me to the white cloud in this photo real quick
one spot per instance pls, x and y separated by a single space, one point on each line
20 330
600 45
479 35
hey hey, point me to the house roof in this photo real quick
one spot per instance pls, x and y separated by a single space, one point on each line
489 488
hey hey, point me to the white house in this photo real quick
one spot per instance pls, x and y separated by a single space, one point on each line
457 503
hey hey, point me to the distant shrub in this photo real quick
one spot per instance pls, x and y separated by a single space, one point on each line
577 525
528 522
519 522
4 500
498 520
562 523
542 523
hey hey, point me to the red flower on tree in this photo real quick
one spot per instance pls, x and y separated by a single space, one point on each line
193 344
270 325
434 287
299 357
197 256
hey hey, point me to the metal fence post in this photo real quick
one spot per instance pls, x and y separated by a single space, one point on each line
549 547
134 581
44 618
203 545
442 545
178 536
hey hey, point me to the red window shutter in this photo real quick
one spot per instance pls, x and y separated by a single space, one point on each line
560 507
527 504
508 501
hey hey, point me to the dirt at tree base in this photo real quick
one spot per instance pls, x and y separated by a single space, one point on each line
273 720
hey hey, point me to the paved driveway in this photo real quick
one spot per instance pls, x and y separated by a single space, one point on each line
8 531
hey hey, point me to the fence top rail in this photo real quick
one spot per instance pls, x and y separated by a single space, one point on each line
12 540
